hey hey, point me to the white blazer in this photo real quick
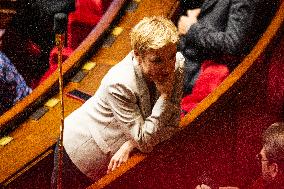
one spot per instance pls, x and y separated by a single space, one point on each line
121 110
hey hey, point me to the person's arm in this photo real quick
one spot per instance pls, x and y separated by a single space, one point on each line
143 131
233 39
170 91
121 156
13 87
185 22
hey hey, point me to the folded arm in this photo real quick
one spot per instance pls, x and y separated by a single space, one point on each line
144 132
233 39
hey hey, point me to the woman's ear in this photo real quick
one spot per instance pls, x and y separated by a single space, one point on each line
273 169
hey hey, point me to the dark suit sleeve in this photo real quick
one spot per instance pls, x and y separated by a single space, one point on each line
190 4
206 38
50 7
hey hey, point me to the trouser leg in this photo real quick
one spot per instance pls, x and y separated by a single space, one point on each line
72 177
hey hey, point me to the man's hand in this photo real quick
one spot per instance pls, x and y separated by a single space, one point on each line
185 22
166 86
193 12
121 155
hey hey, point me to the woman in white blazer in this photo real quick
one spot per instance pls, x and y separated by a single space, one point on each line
136 106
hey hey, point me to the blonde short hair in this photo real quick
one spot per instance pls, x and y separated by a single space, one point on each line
153 33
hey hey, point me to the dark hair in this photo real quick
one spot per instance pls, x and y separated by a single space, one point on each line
273 143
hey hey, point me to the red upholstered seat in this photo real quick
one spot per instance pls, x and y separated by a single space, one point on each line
211 75
80 23
53 61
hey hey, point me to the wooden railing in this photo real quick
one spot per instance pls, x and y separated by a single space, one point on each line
219 97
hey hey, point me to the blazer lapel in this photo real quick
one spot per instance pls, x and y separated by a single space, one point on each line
207 4
143 91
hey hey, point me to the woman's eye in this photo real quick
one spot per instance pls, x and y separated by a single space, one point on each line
157 61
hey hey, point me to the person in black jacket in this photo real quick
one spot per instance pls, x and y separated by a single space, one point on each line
222 30
29 37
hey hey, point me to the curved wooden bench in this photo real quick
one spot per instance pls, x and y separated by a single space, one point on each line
22 109
205 110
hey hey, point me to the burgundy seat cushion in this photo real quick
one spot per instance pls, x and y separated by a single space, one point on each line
211 76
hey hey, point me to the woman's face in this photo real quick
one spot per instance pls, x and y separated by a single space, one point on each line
158 64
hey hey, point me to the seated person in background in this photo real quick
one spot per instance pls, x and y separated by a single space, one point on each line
136 106
29 36
13 86
271 158
221 30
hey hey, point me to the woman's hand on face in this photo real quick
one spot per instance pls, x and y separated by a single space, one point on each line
121 155
166 86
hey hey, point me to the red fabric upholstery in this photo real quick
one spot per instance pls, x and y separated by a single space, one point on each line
82 21
265 103
258 184
53 61
211 75
66 52
276 81
34 52
80 24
